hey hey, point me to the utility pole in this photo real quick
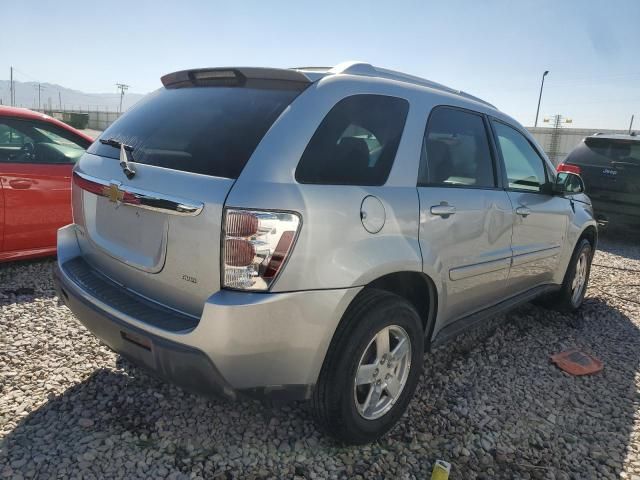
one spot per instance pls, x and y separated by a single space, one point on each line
631 124
12 95
39 88
123 88
59 100
540 97
554 142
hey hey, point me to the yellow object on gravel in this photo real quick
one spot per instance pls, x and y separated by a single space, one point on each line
441 470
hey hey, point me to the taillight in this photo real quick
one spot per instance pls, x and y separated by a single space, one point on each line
256 245
564 167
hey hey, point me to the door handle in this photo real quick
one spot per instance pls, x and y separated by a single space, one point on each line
444 210
20 184
523 211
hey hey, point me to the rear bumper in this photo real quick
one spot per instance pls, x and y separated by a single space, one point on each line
264 345
177 363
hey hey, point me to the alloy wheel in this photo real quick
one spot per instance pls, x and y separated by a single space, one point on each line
382 372
579 278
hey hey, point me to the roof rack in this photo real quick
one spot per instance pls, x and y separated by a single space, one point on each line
366 69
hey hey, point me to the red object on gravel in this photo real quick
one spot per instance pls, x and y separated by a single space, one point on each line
576 362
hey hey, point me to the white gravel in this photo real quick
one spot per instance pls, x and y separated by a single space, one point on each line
490 403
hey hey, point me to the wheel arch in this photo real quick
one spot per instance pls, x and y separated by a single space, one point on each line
591 234
415 287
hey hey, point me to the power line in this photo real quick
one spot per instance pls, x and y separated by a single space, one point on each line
26 74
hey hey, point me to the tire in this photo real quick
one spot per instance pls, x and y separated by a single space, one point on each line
567 300
338 405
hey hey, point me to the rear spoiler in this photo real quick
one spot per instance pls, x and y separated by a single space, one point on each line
274 78
595 140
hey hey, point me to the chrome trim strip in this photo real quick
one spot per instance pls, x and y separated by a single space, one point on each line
529 257
460 273
145 199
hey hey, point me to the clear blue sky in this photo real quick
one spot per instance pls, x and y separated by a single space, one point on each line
493 49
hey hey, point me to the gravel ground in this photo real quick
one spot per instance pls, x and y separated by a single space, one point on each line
490 403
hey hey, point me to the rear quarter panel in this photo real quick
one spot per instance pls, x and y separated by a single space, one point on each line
333 249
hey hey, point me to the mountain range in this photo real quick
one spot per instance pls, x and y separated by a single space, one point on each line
52 95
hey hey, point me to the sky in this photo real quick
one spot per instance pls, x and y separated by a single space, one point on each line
494 49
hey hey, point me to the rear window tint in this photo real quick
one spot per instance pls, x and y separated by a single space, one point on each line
602 151
356 142
207 130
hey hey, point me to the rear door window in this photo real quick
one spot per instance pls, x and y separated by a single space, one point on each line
455 151
356 142
207 130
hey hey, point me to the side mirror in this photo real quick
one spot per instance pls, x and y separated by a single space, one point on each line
568 183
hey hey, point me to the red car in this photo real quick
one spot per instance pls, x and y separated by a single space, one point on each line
37 154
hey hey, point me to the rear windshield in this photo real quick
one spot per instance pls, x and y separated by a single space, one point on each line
603 151
207 130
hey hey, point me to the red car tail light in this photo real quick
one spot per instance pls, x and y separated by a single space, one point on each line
256 245
564 167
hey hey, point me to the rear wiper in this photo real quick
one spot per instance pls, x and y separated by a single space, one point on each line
126 155
112 142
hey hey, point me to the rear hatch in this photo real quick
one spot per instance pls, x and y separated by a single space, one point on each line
610 168
157 232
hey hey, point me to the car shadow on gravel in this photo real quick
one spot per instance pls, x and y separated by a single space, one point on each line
510 413
490 403
26 280
127 412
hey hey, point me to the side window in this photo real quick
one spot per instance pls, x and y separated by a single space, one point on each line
524 168
355 143
12 142
455 150
24 141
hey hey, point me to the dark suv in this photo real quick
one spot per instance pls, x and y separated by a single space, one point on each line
610 168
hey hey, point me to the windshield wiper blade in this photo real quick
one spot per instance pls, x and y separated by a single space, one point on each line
126 155
112 142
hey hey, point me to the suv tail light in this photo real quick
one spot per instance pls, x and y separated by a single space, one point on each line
563 167
255 246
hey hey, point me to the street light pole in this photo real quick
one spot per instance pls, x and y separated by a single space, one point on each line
540 97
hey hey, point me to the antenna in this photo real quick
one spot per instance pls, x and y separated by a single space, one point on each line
123 88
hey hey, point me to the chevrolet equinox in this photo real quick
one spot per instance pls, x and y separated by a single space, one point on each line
308 234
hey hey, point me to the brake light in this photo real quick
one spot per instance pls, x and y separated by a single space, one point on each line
563 167
256 245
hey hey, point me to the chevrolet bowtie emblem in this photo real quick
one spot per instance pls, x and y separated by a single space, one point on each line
113 193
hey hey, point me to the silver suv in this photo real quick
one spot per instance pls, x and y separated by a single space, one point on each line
307 234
